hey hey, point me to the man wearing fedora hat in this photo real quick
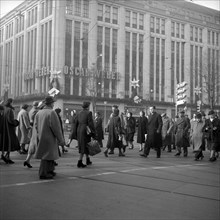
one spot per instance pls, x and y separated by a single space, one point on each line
212 128
49 137
84 121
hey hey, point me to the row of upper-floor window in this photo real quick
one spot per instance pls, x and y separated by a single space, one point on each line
78 8
213 38
31 19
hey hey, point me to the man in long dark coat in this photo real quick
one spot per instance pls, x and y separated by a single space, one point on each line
84 121
154 136
181 134
115 133
142 129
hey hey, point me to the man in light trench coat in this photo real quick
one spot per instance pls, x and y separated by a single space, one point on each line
49 137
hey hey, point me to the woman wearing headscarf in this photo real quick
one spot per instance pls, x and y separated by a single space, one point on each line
84 121
9 140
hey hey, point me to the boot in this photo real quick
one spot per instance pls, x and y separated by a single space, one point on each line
120 153
80 164
88 161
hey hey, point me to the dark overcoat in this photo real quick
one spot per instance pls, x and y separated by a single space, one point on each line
142 129
212 128
48 133
99 129
154 136
84 118
9 140
130 128
114 129
73 131
181 132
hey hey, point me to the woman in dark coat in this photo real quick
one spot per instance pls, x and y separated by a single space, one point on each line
212 129
142 129
115 133
131 124
84 119
99 128
9 141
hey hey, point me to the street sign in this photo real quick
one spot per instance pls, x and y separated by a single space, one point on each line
181 102
181 93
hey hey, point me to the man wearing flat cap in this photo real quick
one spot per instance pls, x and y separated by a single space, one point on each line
49 136
23 128
182 127
212 129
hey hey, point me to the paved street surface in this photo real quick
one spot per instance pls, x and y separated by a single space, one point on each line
120 188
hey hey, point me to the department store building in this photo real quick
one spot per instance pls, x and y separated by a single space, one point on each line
97 49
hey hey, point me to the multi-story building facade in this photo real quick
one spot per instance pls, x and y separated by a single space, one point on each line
94 49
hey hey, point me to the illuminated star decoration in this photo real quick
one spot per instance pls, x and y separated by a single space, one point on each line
135 83
54 75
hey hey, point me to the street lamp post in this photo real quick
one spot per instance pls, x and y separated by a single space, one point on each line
105 103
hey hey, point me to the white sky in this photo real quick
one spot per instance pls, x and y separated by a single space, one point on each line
8 5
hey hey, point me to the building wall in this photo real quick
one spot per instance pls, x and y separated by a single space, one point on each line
154 42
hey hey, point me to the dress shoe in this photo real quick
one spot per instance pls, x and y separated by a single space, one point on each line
48 177
88 161
105 153
53 173
212 159
158 156
4 159
10 161
143 155
80 164
121 154
111 152
124 148
177 154
27 164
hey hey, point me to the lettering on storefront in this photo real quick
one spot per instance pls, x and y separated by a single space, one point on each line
73 71
85 72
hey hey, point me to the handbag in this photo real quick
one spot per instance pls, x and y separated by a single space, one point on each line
93 147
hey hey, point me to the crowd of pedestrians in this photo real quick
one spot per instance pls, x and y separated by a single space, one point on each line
39 133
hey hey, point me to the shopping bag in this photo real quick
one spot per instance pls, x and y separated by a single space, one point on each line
93 147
